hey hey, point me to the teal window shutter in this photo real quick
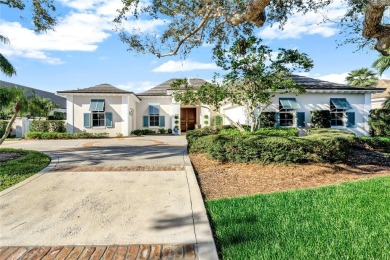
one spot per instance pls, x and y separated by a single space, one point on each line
87 120
277 119
109 119
162 121
301 119
350 119
146 121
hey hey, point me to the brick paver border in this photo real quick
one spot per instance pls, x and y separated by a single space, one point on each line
117 252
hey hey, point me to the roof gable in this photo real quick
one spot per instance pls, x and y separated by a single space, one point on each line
101 88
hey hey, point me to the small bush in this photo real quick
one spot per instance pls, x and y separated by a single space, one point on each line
143 132
169 130
379 121
217 121
206 116
53 135
162 131
320 119
268 119
57 116
206 122
57 126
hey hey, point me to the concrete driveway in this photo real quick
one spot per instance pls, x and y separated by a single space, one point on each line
146 194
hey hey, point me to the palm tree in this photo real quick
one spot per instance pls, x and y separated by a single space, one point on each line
382 64
362 78
17 102
5 66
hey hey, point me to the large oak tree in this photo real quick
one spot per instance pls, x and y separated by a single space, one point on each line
193 23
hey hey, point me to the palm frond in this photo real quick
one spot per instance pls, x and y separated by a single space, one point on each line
6 67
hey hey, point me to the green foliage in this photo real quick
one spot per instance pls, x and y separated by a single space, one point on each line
268 119
54 135
379 121
206 122
169 131
3 126
270 145
378 143
57 116
162 131
217 121
57 126
143 132
206 116
329 132
344 221
320 118
15 171
382 64
362 78
386 104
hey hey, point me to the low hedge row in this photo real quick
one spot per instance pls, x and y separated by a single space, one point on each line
268 149
139 132
57 126
381 143
53 135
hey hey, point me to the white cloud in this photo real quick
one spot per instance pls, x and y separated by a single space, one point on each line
336 78
87 25
137 87
309 23
186 65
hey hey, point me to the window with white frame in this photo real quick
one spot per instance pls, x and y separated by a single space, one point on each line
287 111
97 108
338 110
154 115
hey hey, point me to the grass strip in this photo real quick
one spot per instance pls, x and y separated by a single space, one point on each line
17 170
346 221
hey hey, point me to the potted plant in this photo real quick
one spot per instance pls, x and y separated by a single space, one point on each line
176 130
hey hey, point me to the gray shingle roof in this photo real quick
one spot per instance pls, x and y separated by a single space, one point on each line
161 90
101 88
43 94
310 83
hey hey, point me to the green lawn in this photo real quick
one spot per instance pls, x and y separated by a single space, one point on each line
347 221
15 171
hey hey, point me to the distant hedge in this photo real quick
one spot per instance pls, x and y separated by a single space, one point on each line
269 149
379 121
52 135
46 126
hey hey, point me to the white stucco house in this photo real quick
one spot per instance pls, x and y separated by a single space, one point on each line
105 108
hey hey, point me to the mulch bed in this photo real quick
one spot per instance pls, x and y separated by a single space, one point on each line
222 180
7 156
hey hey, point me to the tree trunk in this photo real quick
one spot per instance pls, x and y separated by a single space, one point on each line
9 126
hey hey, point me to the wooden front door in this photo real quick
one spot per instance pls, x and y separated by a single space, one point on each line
187 119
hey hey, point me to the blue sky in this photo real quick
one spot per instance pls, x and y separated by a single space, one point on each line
84 50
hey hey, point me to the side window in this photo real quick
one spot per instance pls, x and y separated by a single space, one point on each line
154 115
287 111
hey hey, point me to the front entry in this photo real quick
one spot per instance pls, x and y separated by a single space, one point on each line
187 119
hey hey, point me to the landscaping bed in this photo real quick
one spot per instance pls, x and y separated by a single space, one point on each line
17 165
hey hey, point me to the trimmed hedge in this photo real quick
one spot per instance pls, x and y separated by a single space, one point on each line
268 119
46 126
140 132
320 119
379 122
379 143
263 131
270 149
53 135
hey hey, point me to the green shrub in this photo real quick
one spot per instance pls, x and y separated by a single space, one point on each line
206 122
320 119
53 135
329 148
329 132
381 143
162 131
143 132
379 121
169 130
206 116
57 116
57 126
3 126
217 120
268 119
278 132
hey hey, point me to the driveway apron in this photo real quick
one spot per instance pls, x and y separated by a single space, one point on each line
124 192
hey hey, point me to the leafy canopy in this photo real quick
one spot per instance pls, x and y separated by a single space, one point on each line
362 78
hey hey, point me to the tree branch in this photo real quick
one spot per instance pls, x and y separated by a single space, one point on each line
188 35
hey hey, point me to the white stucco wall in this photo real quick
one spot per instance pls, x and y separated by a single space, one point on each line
118 105
360 102
142 109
